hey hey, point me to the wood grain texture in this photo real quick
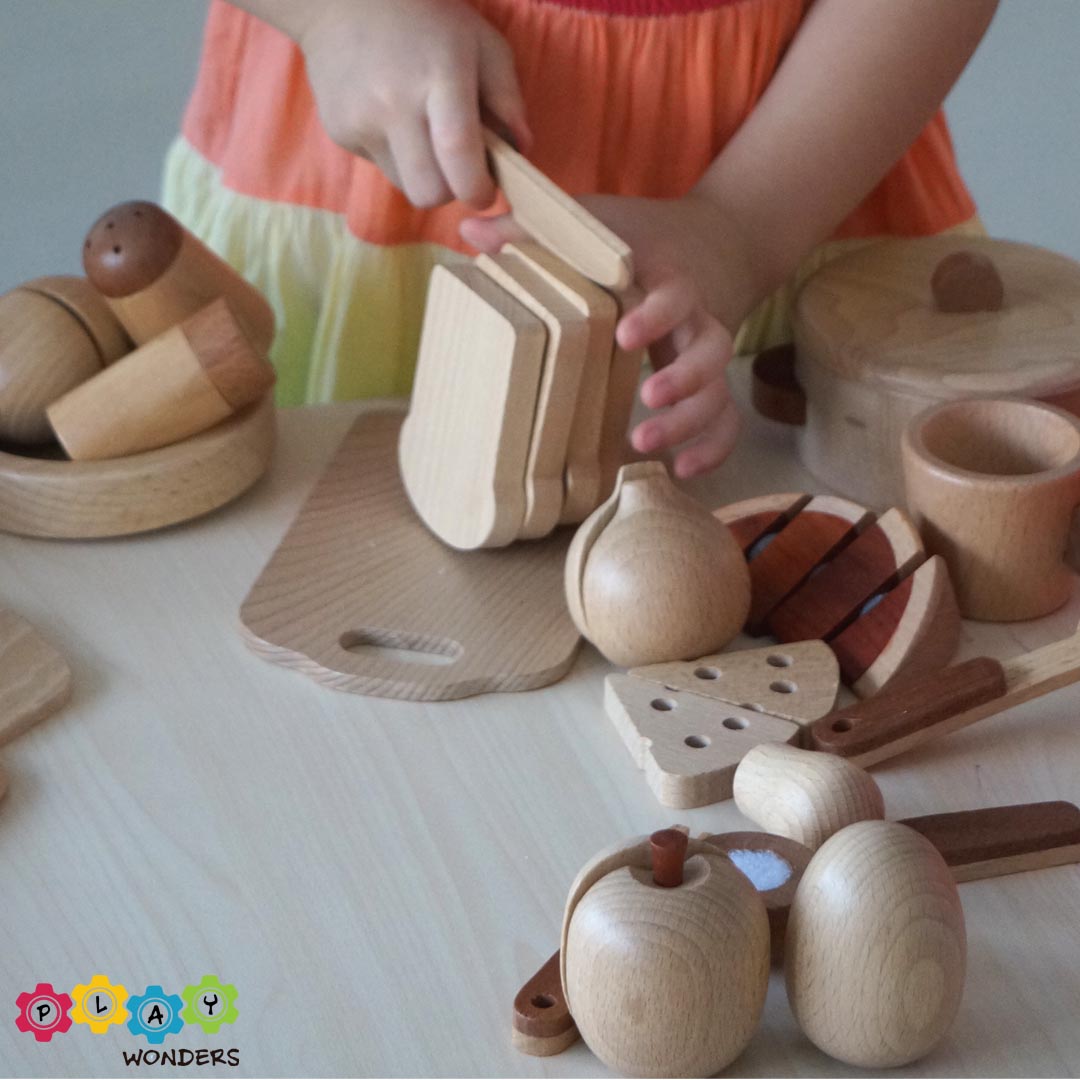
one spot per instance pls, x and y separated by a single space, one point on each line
911 633
557 393
880 556
914 710
777 900
622 388
600 311
803 795
404 616
663 579
697 954
91 309
796 682
818 531
751 520
876 952
1001 840
873 351
688 746
542 1025
45 351
93 499
557 220
155 274
993 485
777 394
296 794
465 443
179 384
35 680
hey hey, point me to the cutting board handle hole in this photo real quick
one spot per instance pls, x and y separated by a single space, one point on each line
386 645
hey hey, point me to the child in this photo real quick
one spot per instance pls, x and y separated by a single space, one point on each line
730 139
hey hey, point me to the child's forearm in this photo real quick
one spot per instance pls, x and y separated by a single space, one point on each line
858 84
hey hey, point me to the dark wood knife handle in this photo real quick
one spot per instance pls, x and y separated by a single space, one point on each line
1004 839
896 714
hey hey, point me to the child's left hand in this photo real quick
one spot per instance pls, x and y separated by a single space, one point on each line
700 284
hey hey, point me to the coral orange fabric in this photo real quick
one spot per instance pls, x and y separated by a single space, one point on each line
626 104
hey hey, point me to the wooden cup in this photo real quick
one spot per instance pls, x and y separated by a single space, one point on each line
992 484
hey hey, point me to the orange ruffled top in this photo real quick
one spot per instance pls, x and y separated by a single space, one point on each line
632 97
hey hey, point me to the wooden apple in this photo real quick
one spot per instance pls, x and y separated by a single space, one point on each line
665 965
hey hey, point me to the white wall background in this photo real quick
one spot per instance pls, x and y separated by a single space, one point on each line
91 92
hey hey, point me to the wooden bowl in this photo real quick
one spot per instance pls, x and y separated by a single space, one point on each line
70 500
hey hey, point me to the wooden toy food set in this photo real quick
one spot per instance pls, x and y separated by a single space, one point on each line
522 398
517 424
899 325
150 373
666 941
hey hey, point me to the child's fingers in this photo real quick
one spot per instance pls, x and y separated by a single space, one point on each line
682 421
500 90
488 234
713 447
697 364
418 172
669 304
454 120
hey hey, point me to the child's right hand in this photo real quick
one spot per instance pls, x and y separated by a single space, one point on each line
401 82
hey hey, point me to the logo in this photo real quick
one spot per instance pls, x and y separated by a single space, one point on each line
99 1004
209 1004
153 1014
43 1012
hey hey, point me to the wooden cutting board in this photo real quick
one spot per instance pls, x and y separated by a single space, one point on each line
35 679
361 597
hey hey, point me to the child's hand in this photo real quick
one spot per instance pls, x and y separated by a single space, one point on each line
402 83
700 284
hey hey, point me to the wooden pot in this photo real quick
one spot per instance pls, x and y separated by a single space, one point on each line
873 348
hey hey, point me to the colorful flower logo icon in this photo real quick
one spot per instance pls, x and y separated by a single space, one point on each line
210 1004
155 1014
43 1012
99 1004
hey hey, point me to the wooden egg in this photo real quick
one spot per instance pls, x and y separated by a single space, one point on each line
156 274
804 795
876 947
55 333
652 576
665 966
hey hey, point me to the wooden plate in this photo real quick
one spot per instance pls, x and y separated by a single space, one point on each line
80 500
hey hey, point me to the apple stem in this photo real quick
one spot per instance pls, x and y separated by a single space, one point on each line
668 855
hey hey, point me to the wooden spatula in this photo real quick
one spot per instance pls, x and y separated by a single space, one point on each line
35 680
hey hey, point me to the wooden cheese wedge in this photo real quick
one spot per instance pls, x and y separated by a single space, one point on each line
689 746
796 682
465 443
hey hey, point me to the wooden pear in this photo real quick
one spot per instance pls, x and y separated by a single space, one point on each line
666 964
652 576
876 948
802 794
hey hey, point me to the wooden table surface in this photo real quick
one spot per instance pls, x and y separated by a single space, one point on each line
378 878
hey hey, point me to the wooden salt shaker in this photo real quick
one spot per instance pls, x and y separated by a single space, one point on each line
155 274
185 381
